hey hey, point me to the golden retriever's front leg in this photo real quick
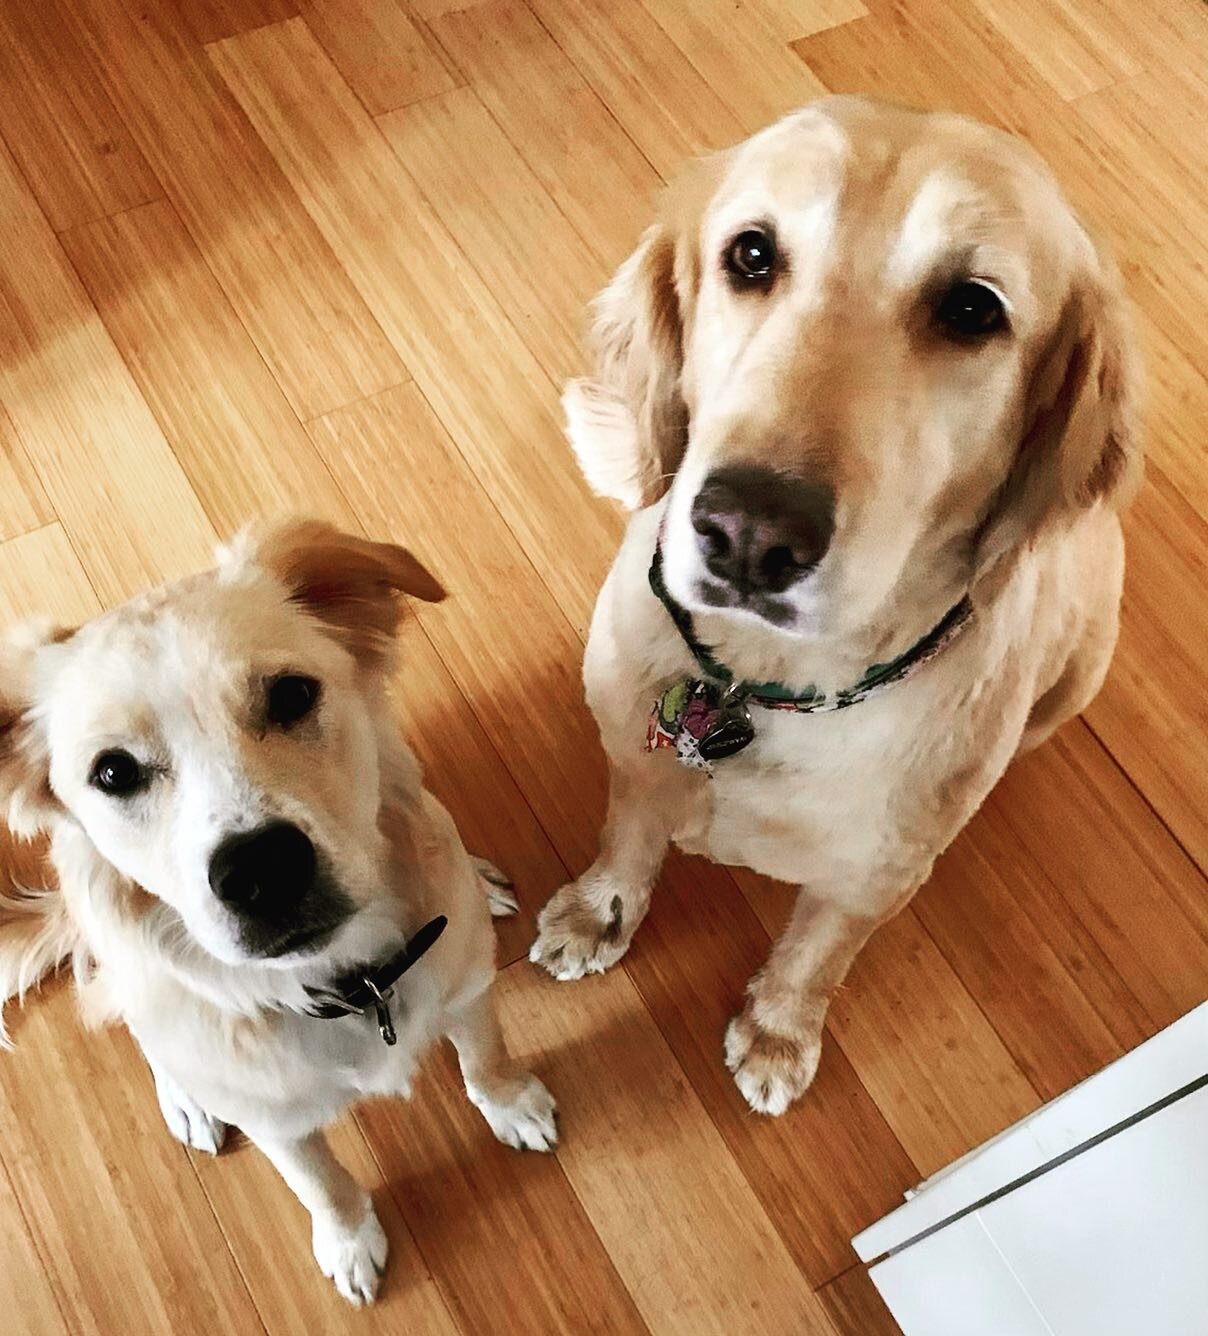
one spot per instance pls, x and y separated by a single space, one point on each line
773 1045
348 1240
517 1106
587 925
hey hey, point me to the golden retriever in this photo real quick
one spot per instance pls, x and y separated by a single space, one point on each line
867 385
249 871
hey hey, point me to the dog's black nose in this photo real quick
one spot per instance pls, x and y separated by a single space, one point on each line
759 530
265 871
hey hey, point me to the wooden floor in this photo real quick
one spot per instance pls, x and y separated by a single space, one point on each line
332 256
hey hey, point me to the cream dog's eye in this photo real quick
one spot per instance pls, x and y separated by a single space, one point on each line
971 310
291 697
751 257
118 773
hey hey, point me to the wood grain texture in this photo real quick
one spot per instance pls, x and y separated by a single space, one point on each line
333 256
77 155
289 290
386 57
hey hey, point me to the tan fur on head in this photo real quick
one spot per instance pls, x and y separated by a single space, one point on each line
349 583
1082 443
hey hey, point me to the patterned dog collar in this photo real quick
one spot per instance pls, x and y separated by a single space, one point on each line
707 718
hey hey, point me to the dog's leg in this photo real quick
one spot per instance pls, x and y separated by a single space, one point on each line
499 888
773 1045
520 1110
188 1122
349 1243
588 925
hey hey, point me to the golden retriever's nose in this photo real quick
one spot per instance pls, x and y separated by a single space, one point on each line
760 531
264 871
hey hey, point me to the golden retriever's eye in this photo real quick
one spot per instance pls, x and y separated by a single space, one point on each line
751 257
971 310
291 697
118 773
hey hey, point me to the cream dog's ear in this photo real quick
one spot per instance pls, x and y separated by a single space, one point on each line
1082 443
628 421
349 584
26 799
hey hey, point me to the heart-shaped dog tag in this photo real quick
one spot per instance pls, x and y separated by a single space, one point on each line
729 732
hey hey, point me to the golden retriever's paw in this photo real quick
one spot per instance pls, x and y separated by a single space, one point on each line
771 1070
352 1258
573 941
499 887
188 1122
525 1117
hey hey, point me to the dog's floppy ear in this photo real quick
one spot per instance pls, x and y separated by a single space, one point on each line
1082 440
348 583
628 422
26 799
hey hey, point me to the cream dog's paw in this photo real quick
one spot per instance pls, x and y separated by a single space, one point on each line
499 887
188 1122
572 940
352 1258
771 1070
524 1117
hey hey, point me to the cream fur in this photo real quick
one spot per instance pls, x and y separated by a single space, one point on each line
994 470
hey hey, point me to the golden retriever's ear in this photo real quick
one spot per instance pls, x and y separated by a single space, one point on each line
627 423
26 799
1082 441
349 583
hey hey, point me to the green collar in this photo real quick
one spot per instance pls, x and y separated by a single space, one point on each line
775 695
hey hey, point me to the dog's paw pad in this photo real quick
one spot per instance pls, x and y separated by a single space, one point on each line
500 890
525 1120
188 1122
572 942
770 1070
353 1259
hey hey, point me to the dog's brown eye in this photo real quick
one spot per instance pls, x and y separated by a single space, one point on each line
291 697
751 256
118 773
970 311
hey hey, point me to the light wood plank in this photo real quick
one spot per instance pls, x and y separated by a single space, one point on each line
269 1232
26 1298
23 503
519 241
521 671
63 130
209 20
97 450
932 1062
793 19
855 1307
128 1240
243 450
655 92
487 390
503 1233
1139 895
277 271
831 1161
739 53
386 57
580 154
688 1236
40 575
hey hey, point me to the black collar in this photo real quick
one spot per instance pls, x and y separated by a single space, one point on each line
371 985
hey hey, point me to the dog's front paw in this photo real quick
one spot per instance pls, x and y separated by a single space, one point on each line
524 1118
188 1122
771 1070
499 888
352 1258
573 940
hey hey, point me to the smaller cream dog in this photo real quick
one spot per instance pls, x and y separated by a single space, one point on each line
250 873
867 384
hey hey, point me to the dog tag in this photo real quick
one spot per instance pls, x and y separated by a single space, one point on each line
730 731
381 1005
